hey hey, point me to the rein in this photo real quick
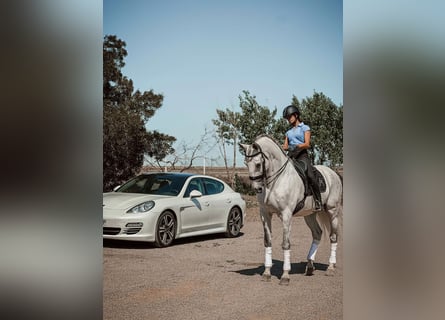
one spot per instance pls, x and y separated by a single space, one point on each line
271 178
276 174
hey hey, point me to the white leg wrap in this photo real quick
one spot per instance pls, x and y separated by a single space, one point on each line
313 250
268 257
286 264
333 257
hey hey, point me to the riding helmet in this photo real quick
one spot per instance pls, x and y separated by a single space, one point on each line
290 110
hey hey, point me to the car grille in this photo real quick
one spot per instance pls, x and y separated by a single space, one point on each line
115 231
111 231
132 230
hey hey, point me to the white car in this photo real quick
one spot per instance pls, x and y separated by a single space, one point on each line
162 207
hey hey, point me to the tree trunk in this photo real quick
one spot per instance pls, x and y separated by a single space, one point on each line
234 162
225 159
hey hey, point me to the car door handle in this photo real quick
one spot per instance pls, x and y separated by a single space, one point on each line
206 204
229 201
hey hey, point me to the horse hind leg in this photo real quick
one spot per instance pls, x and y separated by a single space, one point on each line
312 223
310 268
333 237
332 260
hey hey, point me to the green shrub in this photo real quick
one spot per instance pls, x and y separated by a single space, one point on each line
243 186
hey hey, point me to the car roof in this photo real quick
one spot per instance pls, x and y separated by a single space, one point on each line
177 174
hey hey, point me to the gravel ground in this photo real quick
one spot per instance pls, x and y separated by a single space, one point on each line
213 277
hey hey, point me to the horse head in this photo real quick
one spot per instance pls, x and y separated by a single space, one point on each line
265 160
254 159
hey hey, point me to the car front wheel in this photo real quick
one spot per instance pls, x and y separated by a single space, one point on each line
165 230
234 223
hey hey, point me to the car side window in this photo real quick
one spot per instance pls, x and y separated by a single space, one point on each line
213 186
195 184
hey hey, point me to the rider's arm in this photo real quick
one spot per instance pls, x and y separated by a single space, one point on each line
286 143
307 141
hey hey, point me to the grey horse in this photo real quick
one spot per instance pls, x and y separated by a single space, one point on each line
281 189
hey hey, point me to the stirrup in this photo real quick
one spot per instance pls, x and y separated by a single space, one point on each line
317 207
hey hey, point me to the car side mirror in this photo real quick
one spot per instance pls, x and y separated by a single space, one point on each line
195 194
116 187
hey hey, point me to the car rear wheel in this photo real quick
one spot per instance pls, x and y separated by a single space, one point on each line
234 223
165 229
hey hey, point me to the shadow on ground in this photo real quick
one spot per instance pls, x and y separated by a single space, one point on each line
277 269
112 243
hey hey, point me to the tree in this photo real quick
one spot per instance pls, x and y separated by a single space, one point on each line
123 146
159 146
256 120
184 156
227 132
326 121
125 138
319 112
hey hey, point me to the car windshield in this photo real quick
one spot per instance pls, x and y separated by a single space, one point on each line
160 184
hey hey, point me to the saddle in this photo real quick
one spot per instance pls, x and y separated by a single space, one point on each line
301 168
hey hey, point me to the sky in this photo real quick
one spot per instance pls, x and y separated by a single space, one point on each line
202 54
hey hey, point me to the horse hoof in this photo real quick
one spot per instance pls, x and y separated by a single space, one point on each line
310 268
310 271
284 281
331 271
266 277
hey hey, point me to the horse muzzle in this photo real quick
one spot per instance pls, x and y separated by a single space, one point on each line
257 182
257 185
259 190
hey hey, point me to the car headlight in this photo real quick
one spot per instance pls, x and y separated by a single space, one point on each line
143 207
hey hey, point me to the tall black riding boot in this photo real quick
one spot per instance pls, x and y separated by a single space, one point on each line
317 196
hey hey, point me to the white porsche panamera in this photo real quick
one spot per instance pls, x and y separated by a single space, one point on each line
162 207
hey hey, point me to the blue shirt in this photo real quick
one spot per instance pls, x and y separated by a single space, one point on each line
295 135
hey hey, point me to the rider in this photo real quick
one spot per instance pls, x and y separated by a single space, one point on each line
297 141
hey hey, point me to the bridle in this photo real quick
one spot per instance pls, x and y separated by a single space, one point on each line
263 176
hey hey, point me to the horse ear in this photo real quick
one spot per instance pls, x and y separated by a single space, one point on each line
244 146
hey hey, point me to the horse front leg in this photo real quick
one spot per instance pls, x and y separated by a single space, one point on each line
286 219
266 217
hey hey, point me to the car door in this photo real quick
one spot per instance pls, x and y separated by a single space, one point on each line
219 203
194 211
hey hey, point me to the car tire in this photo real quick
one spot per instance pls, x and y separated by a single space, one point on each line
165 229
234 223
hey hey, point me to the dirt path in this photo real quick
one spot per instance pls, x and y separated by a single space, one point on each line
213 277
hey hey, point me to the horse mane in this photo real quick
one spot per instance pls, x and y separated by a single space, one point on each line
266 136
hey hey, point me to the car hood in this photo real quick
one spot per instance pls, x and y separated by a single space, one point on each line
120 200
